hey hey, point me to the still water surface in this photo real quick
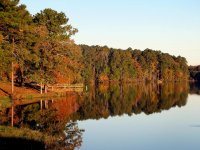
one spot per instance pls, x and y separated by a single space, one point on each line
174 129
141 117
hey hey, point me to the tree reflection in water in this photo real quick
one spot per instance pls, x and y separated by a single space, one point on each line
54 117
53 122
73 135
50 121
195 88
128 99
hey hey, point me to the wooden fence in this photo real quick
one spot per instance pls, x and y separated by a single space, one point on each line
66 87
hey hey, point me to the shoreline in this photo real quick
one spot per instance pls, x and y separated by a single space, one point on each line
27 93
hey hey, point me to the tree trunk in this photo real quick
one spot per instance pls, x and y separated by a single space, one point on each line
41 88
12 78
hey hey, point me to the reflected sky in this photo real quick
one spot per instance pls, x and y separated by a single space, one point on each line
175 129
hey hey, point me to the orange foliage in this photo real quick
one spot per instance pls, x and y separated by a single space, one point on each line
66 106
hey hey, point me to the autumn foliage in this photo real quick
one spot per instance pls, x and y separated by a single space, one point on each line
42 48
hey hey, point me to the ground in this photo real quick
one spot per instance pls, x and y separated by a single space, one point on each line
5 90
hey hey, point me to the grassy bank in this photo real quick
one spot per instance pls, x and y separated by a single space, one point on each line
26 134
25 93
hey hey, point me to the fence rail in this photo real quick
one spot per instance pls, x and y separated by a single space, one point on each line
67 87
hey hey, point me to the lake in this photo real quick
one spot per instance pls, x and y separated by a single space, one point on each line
140 116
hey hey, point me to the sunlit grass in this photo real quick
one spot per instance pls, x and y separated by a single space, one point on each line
5 102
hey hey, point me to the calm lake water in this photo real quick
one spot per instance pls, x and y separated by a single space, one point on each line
141 117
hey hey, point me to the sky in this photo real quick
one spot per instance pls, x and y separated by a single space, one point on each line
172 26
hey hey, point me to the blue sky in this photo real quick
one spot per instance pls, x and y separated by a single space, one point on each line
172 26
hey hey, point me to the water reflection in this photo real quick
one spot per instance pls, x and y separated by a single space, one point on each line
195 88
118 100
52 117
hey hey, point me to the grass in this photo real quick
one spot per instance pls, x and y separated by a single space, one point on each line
5 102
33 96
26 92
4 98
24 95
27 134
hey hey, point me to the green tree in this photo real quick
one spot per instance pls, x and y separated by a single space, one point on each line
51 47
56 23
15 22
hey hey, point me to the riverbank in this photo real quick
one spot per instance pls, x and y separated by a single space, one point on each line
24 92
5 89
29 138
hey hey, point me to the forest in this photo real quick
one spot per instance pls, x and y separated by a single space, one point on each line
40 48
103 64
194 73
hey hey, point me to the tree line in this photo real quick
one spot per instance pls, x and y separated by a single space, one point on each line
194 73
103 64
40 48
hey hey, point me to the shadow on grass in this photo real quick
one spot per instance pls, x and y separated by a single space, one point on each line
21 144
5 92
